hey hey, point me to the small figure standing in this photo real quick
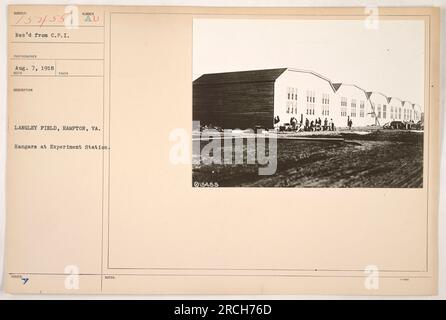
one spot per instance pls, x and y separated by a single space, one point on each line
276 121
293 122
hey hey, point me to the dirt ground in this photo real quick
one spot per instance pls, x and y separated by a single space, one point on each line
381 159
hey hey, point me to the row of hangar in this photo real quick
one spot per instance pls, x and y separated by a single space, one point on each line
272 97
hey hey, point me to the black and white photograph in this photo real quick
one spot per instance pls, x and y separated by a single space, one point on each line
305 103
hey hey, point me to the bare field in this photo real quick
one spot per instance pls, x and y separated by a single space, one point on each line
381 159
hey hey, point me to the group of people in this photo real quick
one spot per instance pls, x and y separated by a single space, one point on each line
307 125
316 125
313 125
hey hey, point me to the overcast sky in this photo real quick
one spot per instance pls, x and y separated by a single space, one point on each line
389 59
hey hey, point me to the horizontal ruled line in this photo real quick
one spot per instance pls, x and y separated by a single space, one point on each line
62 59
49 42
55 76
53 26
214 275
